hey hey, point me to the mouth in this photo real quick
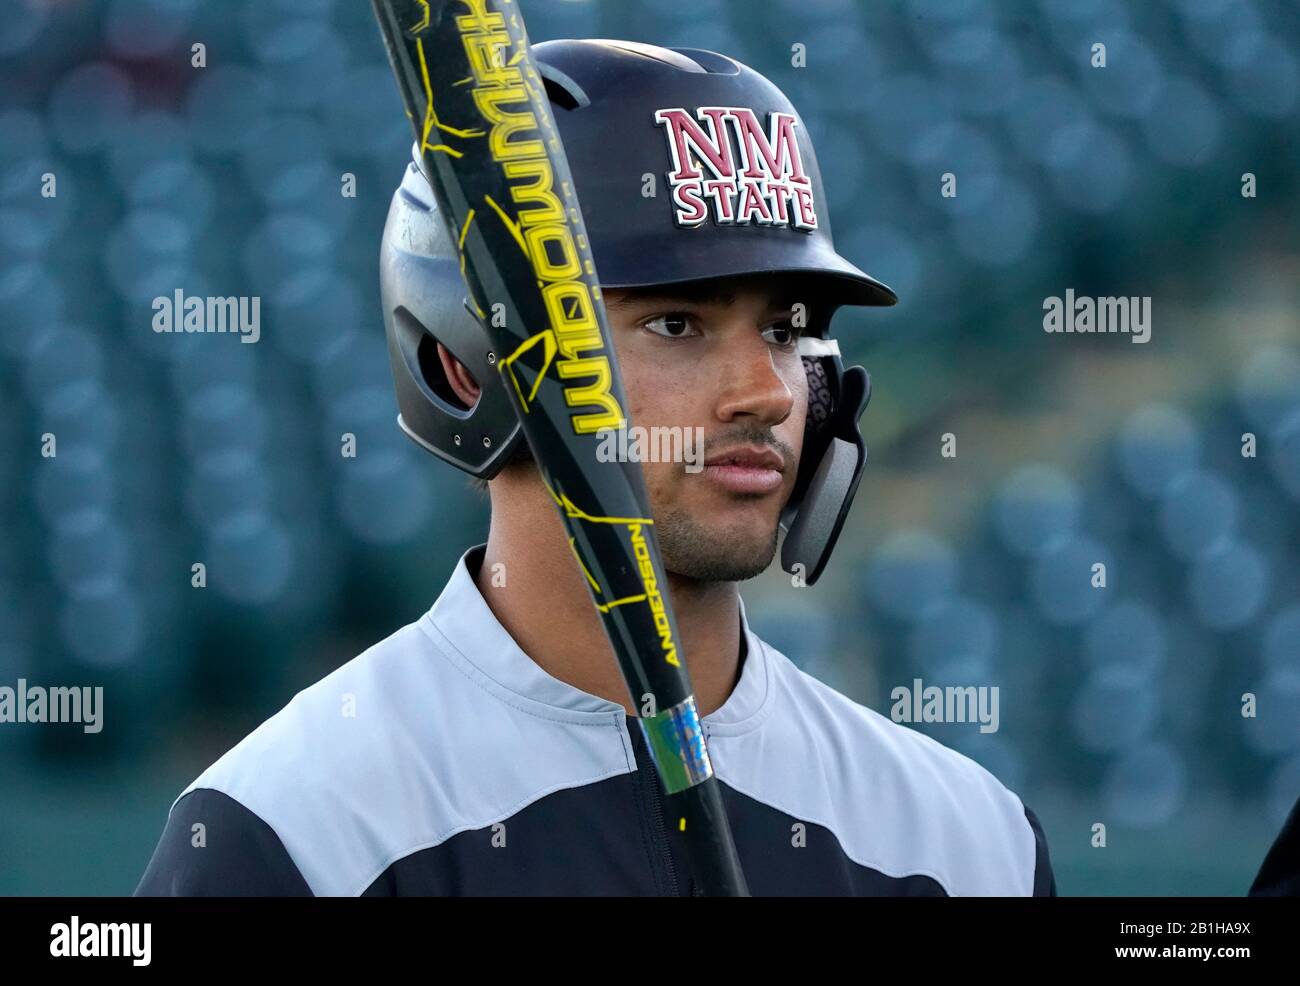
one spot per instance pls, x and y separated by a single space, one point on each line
746 470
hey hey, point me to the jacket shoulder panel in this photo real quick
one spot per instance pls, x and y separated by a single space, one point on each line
898 801
398 750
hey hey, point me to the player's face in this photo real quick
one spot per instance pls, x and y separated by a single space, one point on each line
720 365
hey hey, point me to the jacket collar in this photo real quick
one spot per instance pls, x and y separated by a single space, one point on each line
463 619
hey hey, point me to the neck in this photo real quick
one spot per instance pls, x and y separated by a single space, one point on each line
533 585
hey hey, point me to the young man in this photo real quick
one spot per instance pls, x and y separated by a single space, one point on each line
491 746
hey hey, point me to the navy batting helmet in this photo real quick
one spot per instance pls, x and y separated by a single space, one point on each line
741 195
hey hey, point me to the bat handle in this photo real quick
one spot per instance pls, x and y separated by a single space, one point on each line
713 860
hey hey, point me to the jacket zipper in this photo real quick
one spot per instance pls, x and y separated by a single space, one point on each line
646 767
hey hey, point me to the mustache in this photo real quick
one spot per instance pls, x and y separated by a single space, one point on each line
741 436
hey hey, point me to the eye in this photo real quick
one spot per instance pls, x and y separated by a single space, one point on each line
673 325
782 334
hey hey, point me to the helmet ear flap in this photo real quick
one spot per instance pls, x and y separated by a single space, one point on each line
829 470
821 407
417 347
424 303
821 399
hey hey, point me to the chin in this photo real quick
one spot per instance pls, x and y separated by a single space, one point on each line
715 553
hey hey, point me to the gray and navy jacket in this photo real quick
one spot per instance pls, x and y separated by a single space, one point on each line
443 760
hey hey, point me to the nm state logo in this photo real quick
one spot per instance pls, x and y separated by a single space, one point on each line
729 165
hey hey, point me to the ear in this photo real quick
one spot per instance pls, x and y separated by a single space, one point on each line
458 377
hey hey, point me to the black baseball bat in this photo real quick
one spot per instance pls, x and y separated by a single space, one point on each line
492 154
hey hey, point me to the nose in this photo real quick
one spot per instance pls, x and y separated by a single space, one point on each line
753 386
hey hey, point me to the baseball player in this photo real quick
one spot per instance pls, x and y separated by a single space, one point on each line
490 747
